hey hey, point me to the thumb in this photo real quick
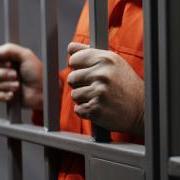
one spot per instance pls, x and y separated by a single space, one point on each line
74 47
12 52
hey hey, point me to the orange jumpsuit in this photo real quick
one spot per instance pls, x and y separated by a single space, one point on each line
126 39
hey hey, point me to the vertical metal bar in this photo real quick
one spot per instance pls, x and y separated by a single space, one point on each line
50 57
173 75
169 49
12 35
87 167
34 158
13 147
163 87
49 40
98 14
151 89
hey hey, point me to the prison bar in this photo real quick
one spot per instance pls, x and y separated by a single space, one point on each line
163 80
12 35
174 166
151 81
13 147
125 153
49 44
51 89
169 55
98 18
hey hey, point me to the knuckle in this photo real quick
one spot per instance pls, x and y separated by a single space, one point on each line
104 78
107 61
108 57
102 89
90 51
79 110
8 47
28 51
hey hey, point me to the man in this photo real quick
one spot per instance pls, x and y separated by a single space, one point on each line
105 87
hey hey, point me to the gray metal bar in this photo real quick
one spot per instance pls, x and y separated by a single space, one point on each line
33 158
9 164
99 39
169 48
87 167
131 154
151 89
174 166
3 156
163 87
12 146
49 44
106 170
12 35
173 64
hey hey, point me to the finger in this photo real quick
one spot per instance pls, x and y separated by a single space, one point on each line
82 55
12 52
74 47
85 77
87 110
5 64
85 58
6 96
7 74
9 86
80 77
83 94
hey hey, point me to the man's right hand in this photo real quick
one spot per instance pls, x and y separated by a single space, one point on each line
28 77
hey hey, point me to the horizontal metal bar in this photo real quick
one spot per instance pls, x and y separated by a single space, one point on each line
130 154
174 166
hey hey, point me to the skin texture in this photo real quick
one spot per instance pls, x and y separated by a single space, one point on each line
105 88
